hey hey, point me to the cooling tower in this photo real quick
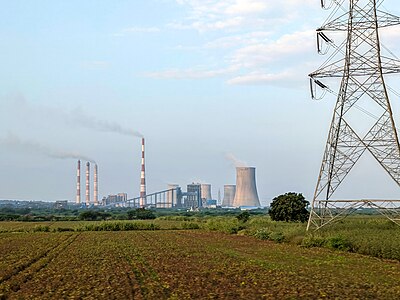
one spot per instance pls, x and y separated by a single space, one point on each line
229 195
95 186
87 183
246 190
171 196
142 180
78 183
206 192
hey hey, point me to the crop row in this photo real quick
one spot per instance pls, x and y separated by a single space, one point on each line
193 265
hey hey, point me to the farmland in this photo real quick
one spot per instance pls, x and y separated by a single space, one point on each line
182 264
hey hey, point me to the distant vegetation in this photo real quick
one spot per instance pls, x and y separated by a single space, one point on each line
141 214
26 214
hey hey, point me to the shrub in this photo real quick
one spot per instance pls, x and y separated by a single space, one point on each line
228 225
339 243
277 237
262 234
313 241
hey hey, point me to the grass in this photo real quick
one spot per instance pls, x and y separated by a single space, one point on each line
370 235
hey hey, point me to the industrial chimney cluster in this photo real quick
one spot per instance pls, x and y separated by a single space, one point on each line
87 185
243 194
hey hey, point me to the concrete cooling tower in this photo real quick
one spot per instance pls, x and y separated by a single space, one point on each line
246 190
206 192
229 195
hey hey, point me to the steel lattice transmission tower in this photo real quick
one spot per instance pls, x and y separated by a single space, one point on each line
361 67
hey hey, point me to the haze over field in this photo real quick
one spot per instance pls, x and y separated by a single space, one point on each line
206 82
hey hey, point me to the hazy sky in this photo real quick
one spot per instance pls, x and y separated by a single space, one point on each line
201 80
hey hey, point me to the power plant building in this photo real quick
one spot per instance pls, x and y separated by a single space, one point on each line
172 197
193 198
118 198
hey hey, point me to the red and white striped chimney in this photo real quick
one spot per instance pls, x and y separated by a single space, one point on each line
78 183
95 186
87 183
142 180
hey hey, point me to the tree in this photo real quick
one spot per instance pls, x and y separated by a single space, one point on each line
141 214
91 215
290 207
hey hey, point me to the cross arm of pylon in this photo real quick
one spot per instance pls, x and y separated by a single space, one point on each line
341 23
335 69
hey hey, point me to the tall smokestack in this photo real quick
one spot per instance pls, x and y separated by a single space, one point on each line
95 186
246 190
78 183
142 180
87 183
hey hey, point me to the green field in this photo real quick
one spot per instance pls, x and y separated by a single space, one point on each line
169 262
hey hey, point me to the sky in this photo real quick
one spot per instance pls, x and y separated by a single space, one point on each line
202 80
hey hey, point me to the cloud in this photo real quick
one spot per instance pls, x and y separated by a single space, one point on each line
287 47
247 40
238 40
287 78
207 15
246 7
255 58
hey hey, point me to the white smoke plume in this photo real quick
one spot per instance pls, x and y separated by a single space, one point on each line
75 117
236 162
79 118
14 142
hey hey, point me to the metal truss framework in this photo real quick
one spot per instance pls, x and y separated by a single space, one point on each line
361 70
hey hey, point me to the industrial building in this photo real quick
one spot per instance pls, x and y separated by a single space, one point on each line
193 195
118 198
